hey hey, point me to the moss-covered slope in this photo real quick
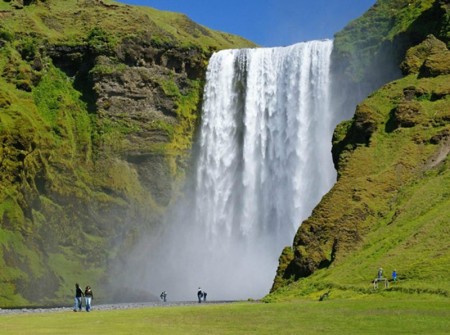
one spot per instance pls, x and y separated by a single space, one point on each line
98 108
390 207
370 49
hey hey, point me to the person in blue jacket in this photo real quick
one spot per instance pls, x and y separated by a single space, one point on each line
394 276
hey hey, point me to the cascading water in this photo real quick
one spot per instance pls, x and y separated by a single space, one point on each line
265 141
264 162
265 157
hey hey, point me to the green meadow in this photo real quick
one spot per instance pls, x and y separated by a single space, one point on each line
409 314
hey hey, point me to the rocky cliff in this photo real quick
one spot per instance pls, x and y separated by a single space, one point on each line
390 205
99 104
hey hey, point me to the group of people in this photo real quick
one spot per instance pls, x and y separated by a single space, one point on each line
201 295
79 295
89 296
380 278
380 275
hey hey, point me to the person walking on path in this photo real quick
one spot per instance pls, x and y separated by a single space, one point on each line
394 276
199 295
163 296
78 295
88 297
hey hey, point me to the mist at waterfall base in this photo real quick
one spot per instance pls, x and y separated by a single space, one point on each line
263 163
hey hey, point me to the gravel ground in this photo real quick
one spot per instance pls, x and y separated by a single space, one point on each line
106 307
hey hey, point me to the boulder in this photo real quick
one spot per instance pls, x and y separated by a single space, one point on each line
432 52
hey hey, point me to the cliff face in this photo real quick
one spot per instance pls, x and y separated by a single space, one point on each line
390 204
99 103
368 51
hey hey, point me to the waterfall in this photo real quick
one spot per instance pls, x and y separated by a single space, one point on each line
265 142
265 156
264 161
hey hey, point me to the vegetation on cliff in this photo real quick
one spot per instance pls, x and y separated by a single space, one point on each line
391 205
98 107
371 48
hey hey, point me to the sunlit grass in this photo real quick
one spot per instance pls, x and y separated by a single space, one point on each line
368 316
67 22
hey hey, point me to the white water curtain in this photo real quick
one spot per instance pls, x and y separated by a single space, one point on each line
264 162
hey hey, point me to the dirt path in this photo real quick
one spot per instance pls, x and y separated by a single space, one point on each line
106 307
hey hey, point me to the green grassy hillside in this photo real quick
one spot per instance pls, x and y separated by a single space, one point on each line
390 207
70 20
98 108
371 48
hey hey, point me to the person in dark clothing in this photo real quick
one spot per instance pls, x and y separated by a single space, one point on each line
78 295
204 296
199 295
88 297
380 274
163 296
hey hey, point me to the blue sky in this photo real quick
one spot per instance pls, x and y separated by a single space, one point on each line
268 22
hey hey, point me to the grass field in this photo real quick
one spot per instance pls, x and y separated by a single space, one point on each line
408 315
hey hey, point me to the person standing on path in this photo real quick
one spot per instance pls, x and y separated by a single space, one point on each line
88 297
78 295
